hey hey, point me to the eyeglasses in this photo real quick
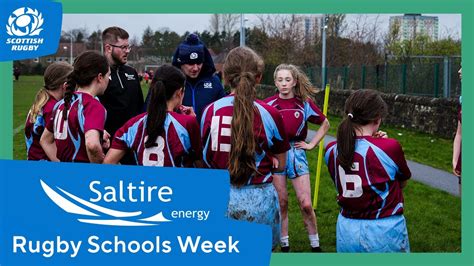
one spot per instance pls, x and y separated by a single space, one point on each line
123 47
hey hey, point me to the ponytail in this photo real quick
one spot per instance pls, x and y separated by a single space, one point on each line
41 98
241 69
346 143
242 155
156 113
361 108
69 93
167 80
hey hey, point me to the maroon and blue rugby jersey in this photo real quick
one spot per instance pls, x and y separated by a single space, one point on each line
371 188
269 135
85 113
295 113
179 146
33 131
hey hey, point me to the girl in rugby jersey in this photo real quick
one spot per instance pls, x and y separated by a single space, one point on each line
161 136
55 77
75 132
239 133
369 171
294 103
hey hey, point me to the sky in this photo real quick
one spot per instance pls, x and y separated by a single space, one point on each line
135 24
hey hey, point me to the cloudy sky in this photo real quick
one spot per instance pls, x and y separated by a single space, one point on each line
135 24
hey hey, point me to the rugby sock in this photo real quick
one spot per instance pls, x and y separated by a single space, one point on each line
314 240
285 241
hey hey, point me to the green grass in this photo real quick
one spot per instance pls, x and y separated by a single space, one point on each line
417 146
433 216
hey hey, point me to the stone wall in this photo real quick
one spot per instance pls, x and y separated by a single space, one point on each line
436 116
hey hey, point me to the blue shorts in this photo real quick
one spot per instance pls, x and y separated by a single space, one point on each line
296 163
256 203
375 236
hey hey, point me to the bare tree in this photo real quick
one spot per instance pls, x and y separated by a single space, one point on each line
336 25
229 22
365 29
215 23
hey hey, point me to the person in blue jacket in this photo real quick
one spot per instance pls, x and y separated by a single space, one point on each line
203 86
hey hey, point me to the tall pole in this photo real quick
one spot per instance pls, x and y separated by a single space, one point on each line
323 56
242 30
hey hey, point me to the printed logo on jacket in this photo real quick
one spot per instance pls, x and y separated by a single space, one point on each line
29 29
58 213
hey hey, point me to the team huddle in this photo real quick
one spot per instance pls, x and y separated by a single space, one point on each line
93 112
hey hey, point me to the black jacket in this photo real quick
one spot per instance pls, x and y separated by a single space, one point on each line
123 98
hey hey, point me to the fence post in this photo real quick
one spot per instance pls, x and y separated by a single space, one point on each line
404 78
436 80
385 77
362 85
446 77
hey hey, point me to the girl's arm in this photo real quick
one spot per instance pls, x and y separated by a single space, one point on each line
323 129
94 147
48 145
281 165
457 149
114 156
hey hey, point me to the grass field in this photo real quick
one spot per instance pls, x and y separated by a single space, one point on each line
433 216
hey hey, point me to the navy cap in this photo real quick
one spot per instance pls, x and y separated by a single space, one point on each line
191 51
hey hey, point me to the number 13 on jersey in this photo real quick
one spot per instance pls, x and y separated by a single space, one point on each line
220 127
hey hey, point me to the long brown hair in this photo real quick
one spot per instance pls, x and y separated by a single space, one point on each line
87 66
242 68
167 80
361 108
303 88
55 76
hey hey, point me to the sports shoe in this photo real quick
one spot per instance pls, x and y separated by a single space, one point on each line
285 249
316 249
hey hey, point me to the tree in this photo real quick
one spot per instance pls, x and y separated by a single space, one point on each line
336 25
94 40
215 23
147 37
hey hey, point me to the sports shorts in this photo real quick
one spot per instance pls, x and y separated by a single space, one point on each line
375 235
256 203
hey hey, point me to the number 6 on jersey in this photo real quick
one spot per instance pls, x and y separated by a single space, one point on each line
355 190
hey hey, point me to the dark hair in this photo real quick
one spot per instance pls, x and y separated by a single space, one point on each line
111 35
87 66
166 81
241 69
361 108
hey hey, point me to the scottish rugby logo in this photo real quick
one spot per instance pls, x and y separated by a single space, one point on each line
25 21
96 214
29 29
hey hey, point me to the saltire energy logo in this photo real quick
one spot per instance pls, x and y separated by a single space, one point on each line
86 214
72 204
31 29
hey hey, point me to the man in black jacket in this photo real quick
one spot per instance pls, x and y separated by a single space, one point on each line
123 98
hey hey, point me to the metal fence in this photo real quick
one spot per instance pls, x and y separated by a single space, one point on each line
423 76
